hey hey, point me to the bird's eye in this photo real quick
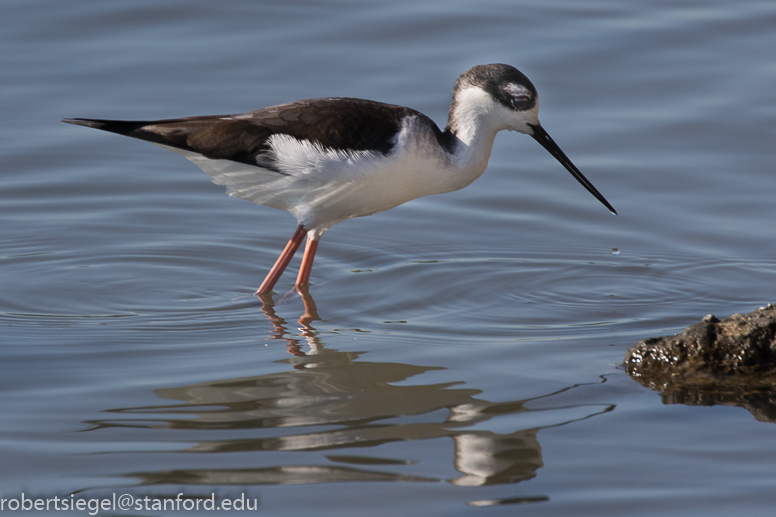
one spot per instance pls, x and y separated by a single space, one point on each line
520 97
521 102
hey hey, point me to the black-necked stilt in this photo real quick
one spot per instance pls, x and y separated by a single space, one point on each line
327 160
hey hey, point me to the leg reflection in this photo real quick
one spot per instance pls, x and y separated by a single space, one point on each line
280 328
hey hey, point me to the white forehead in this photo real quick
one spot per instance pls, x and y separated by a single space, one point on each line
481 109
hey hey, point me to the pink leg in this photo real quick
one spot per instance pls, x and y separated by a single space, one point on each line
307 262
274 274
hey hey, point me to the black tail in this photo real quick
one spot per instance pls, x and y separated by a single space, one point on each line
134 129
122 127
216 137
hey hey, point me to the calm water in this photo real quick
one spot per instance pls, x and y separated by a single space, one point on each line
457 352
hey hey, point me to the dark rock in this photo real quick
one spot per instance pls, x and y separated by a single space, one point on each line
730 362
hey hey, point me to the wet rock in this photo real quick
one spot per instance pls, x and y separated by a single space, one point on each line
739 345
730 362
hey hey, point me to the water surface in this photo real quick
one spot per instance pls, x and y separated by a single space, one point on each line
459 352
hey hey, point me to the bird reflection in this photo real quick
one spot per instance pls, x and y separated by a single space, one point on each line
280 330
338 408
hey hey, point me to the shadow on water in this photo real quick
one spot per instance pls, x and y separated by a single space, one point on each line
759 400
334 402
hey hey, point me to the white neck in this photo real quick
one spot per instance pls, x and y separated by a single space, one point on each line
474 120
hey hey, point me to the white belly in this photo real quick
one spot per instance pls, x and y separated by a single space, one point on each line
321 187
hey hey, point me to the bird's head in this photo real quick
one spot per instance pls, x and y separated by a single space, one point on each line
502 97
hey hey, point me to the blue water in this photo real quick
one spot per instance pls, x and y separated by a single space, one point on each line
459 351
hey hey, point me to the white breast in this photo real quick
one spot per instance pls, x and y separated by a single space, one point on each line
321 186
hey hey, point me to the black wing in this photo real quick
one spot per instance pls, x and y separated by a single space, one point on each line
336 123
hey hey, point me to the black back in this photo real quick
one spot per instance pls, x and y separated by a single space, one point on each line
336 123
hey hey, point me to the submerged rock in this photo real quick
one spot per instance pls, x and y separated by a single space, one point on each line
730 362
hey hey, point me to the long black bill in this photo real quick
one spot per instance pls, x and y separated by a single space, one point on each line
541 136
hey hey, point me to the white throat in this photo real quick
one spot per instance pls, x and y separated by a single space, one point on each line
475 118
474 121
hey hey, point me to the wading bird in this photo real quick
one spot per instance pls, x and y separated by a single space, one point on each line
327 160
